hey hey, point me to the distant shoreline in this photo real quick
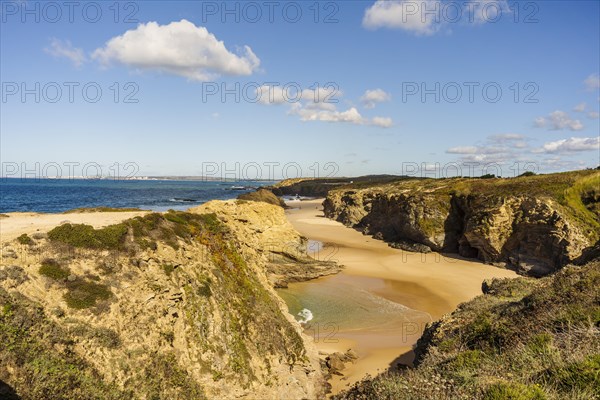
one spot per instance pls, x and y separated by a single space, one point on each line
141 178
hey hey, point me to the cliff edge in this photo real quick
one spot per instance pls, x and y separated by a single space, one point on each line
534 224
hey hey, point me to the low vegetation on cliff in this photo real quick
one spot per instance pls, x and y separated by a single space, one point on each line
523 339
264 195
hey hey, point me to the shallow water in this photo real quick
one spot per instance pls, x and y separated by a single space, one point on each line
347 306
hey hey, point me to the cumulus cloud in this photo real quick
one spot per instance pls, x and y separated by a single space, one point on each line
593 115
402 14
427 17
179 48
64 49
351 115
592 82
314 114
580 107
557 121
570 145
372 97
316 105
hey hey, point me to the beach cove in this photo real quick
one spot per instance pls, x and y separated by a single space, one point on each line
381 301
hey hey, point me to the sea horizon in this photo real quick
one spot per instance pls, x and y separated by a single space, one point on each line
59 195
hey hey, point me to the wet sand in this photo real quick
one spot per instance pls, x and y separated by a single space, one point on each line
431 284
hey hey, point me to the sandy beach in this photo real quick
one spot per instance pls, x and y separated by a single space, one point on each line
429 283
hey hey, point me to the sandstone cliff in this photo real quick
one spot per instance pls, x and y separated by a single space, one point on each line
534 224
161 306
264 231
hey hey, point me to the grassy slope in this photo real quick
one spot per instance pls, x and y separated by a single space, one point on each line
523 339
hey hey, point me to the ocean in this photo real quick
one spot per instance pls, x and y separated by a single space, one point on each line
58 195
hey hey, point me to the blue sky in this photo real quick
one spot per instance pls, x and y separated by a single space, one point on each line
377 58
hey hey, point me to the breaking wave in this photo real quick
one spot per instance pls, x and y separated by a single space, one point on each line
305 316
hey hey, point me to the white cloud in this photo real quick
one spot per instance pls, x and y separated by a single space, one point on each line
402 14
178 48
557 121
272 95
427 17
593 115
462 150
64 49
477 150
372 97
580 107
322 97
504 137
382 122
592 82
570 145
314 112
317 105
539 122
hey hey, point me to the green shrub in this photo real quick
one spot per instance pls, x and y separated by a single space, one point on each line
540 343
106 337
85 236
470 359
486 331
583 375
204 288
168 269
25 240
513 391
144 231
527 173
212 223
52 269
83 294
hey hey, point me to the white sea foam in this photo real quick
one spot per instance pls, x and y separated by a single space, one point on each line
305 315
